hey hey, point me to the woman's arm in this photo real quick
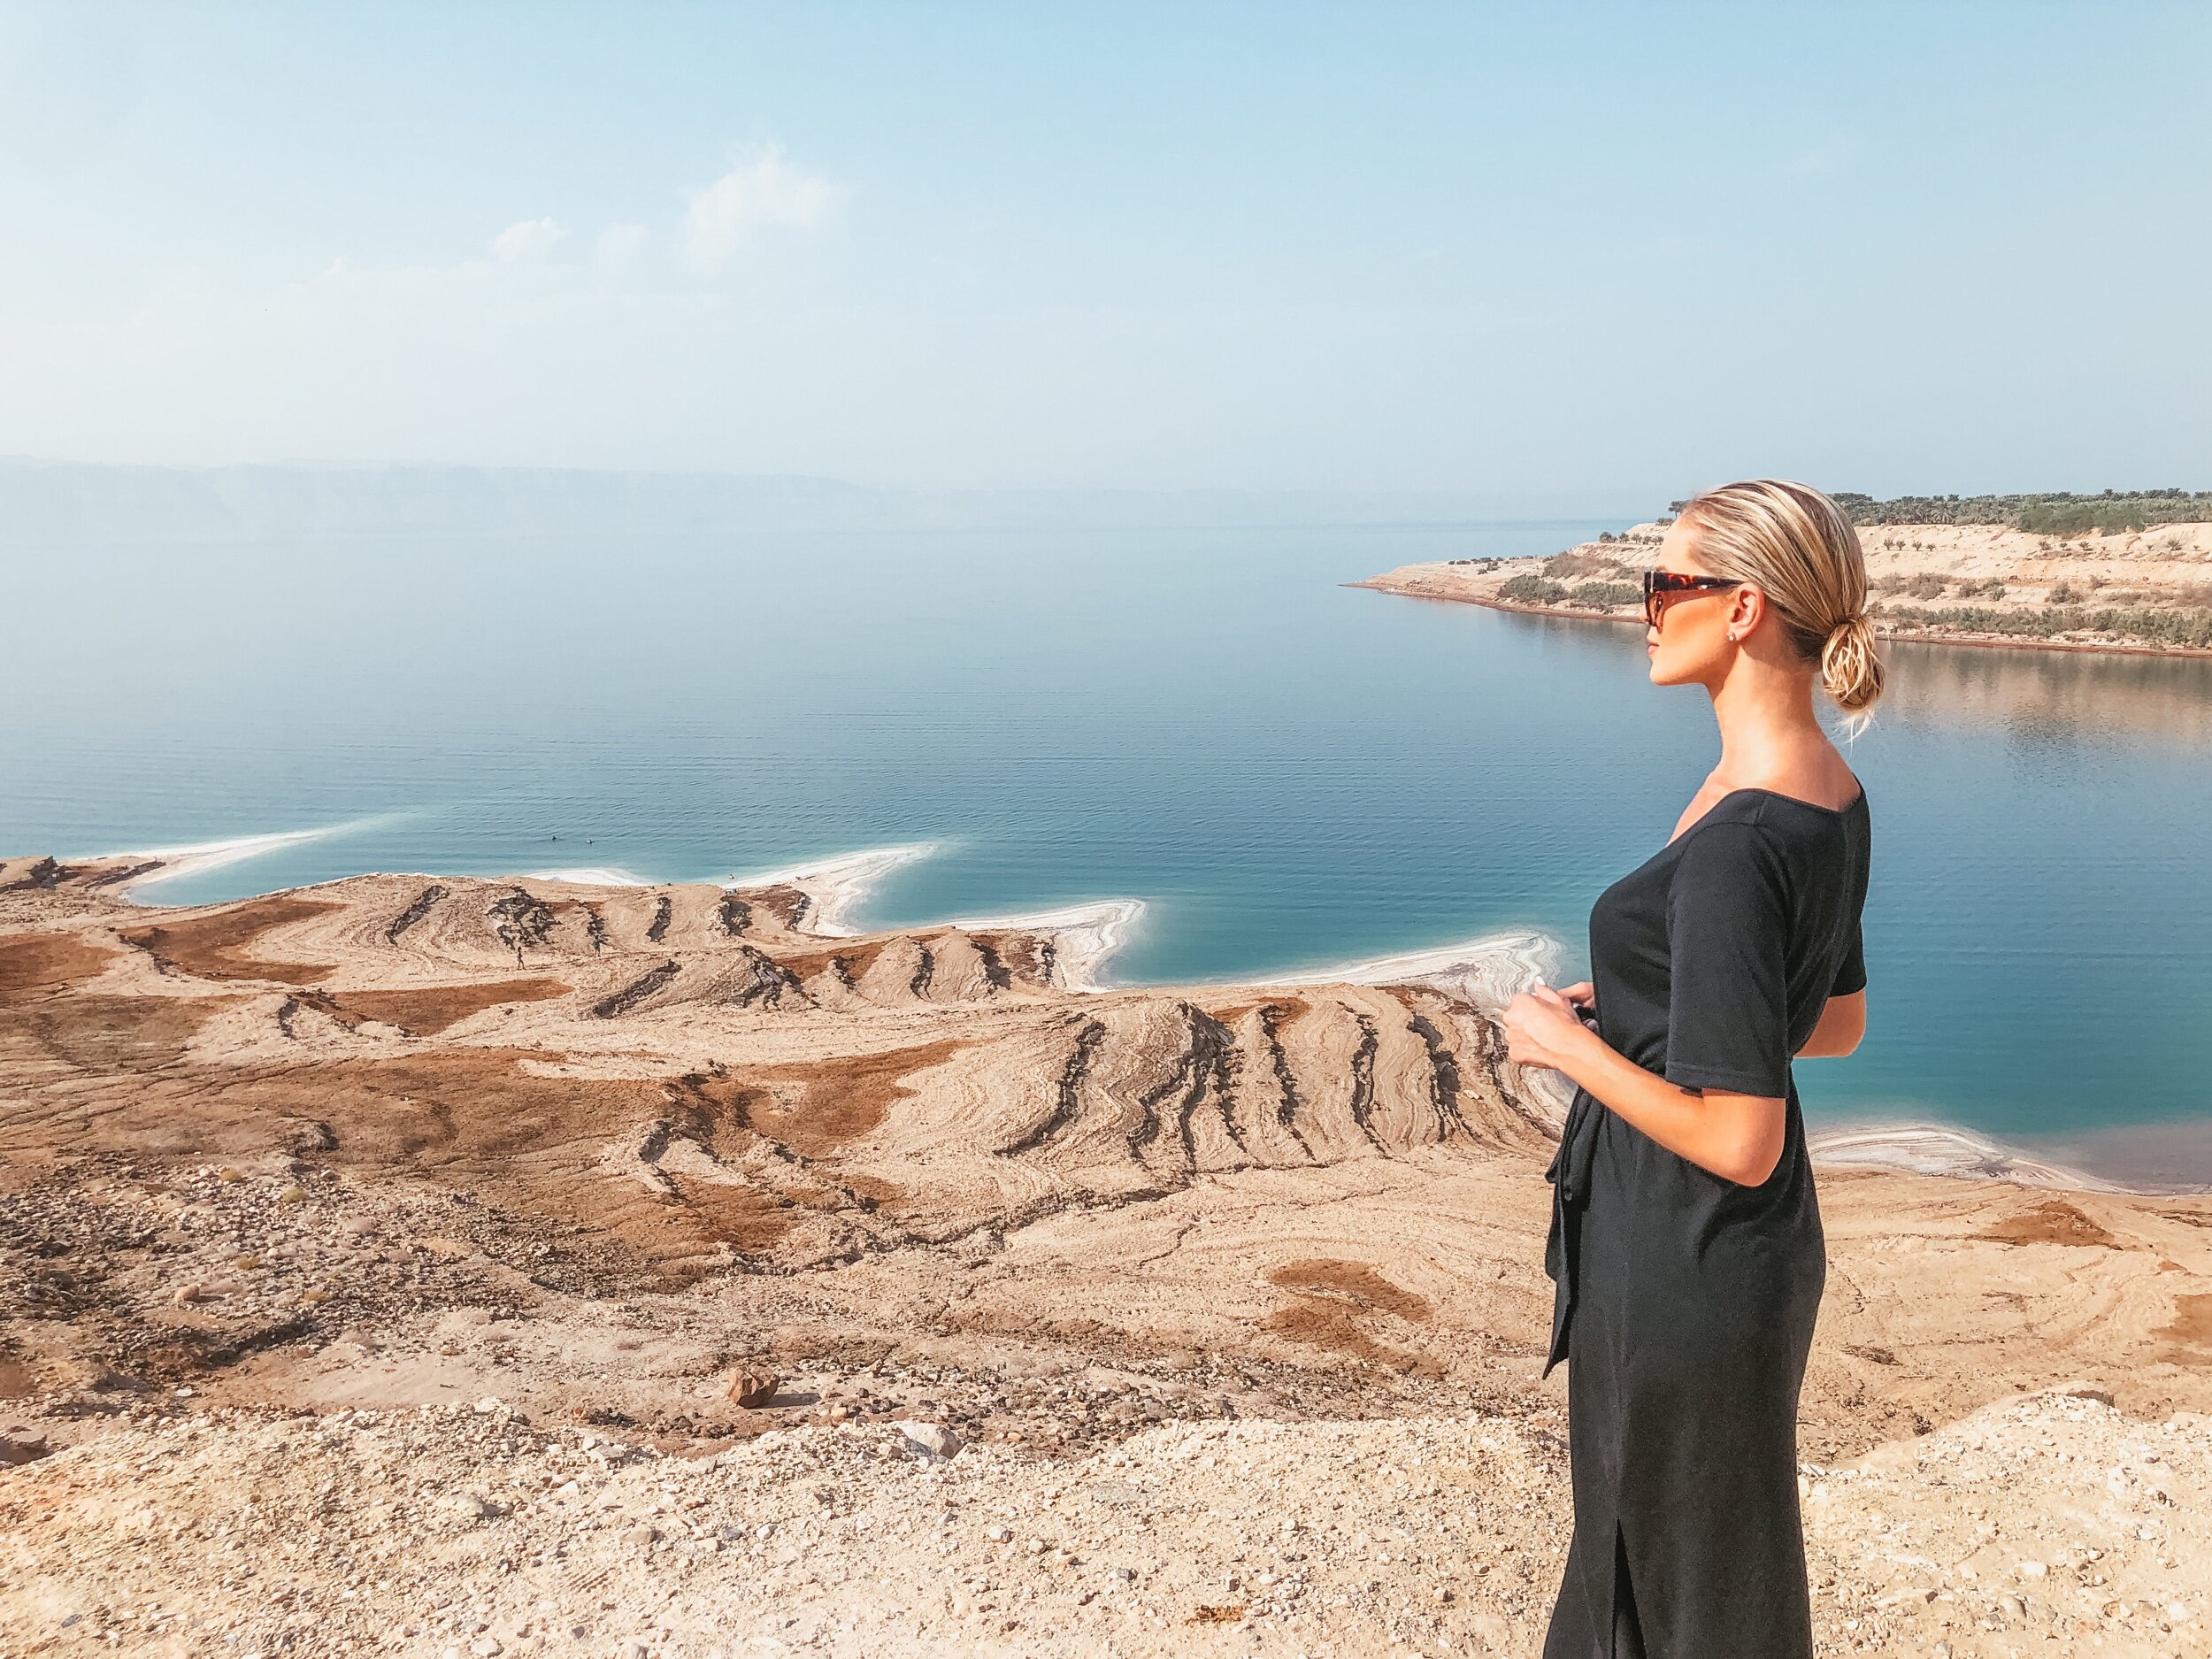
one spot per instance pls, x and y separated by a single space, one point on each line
1737 1137
1842 1023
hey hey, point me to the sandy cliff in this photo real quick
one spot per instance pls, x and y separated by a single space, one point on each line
1969 584
1234 1293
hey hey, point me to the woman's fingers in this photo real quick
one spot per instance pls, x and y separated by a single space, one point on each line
1524 1021
1582 991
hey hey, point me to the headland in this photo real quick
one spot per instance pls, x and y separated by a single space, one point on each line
1986 575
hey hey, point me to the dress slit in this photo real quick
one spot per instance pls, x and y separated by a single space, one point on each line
1628 1630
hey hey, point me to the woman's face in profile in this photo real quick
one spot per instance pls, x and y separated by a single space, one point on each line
1690 644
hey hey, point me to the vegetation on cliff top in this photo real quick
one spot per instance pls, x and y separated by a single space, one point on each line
2057 513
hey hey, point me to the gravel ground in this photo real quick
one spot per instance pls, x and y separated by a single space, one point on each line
2047 1523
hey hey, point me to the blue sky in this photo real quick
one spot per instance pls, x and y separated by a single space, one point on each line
1555 257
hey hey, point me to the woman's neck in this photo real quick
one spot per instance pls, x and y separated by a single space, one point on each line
1767 730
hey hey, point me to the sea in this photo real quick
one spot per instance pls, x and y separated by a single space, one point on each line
1289 773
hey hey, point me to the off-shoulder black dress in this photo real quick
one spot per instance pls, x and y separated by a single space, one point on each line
1687 1301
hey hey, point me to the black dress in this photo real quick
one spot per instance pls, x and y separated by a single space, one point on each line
1688 1300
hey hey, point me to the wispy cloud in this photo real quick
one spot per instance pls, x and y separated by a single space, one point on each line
619 244
527 239
763 191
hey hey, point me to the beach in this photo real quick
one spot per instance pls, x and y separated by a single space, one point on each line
625 1259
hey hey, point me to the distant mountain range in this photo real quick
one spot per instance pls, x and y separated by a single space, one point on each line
43 501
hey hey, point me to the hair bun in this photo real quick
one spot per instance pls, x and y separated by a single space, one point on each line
1850 668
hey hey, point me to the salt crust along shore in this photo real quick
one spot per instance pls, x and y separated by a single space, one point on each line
1939 1149
159 865
2046 1522
836 886
1487 972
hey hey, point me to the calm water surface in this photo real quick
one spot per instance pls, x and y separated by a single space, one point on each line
1290 772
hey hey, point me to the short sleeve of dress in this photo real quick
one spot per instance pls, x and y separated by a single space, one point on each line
1728 1002
1852 975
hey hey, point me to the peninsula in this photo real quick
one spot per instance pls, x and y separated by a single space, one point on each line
543 1266
2111 573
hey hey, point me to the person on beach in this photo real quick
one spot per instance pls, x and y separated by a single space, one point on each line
1685 1238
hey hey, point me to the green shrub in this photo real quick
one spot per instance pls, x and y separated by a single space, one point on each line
1573 563
1532 590
1608 594
2152 624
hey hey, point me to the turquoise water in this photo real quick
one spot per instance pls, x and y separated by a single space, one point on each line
1289 773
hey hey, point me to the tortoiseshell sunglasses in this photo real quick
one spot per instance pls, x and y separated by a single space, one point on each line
1657 584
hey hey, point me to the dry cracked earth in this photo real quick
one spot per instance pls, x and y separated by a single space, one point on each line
495 1267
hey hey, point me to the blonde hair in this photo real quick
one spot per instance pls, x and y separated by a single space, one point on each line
1802 550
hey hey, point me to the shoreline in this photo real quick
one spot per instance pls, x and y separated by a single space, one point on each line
1483 973
1487 972
835 886
1084 937
159 865
1382 584
1952 1153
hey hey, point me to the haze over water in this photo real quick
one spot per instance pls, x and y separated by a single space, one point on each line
1289 773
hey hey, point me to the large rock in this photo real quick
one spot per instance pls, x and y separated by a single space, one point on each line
929 1439
752 1389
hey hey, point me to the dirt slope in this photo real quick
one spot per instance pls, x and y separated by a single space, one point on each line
391 1144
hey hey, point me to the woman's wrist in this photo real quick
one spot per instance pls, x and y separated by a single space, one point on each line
1583 1056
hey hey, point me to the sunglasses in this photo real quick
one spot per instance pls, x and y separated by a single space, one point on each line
1659 584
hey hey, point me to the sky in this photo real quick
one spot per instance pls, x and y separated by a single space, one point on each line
1581 257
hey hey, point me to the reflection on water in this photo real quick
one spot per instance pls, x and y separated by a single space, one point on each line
2051 697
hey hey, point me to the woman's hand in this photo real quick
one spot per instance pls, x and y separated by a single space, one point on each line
1583 994
1738 1137
1542 1028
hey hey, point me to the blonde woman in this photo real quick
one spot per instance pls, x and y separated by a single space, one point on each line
1685 1235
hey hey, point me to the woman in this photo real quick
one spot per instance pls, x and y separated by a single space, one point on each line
1685 1238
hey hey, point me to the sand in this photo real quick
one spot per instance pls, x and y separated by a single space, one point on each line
329 1158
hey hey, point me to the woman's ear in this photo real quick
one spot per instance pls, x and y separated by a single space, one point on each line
1748 605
